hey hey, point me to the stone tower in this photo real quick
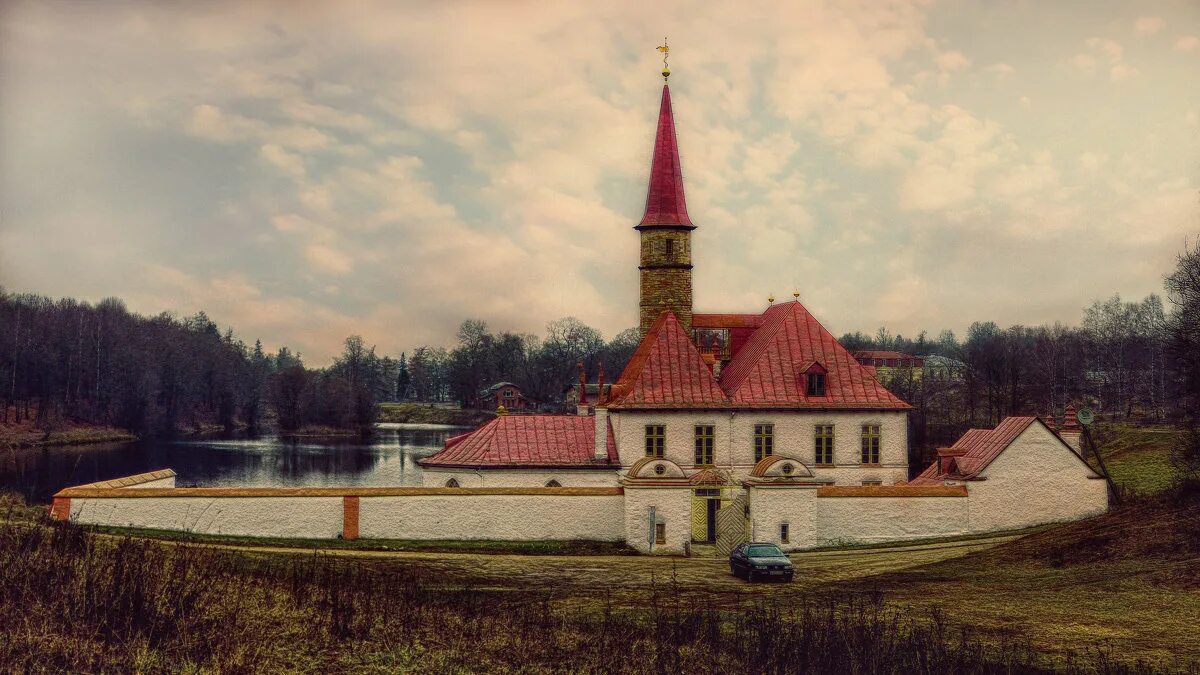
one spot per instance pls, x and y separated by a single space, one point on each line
666 231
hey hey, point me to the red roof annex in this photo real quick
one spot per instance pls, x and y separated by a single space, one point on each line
527 441
978 448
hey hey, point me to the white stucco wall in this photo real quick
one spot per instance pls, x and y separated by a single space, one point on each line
433 477
769 507
794 436
300 517
824 521
868 520
500 517
1037 479
672 506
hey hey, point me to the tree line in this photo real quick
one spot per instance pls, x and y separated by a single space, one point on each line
65 360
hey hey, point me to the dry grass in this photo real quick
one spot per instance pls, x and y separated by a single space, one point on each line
81 602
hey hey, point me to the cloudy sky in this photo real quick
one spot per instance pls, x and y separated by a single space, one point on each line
307 171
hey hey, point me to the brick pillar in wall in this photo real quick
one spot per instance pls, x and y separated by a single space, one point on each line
349 517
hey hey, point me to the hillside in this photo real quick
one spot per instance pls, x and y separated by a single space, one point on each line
1126 584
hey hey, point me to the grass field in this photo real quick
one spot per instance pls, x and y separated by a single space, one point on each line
1138 458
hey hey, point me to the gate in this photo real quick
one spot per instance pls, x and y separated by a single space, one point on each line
732 525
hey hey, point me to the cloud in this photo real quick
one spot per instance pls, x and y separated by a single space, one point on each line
1149 25
1001 70
1187 43
290 163
1103 50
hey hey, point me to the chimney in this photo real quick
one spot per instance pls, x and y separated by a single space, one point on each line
601 434
1071 432
600 397
582 404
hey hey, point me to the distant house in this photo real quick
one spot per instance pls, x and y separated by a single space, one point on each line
504 394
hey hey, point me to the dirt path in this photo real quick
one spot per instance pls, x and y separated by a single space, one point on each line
620 575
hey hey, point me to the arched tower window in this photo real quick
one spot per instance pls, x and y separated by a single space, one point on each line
452 483
553 483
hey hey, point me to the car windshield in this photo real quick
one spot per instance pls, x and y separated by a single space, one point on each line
763 551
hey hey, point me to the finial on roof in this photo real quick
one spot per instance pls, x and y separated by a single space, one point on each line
666 51
771 299
796 294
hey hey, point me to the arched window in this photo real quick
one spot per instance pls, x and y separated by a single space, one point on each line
553 483
452 483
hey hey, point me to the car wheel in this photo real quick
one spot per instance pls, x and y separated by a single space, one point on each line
733 569
750 576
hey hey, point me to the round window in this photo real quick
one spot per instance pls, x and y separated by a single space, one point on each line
659 469
787 468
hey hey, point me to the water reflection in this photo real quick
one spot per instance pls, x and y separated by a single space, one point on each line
387 459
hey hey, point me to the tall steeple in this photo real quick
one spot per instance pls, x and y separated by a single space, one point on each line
665 204
666 258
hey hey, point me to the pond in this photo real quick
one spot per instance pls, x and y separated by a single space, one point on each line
387 459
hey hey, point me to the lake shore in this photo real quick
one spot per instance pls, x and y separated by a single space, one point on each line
416 413
31 438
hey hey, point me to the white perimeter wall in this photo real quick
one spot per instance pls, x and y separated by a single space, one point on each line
672 507
300 517
794 436
501 517
434 477
1037 479
869 520
826 521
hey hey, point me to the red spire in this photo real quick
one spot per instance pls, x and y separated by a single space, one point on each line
664 200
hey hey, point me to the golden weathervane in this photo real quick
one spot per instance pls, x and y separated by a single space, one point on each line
666 51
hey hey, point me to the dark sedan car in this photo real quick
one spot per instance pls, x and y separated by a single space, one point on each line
759 562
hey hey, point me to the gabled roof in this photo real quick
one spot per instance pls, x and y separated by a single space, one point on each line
667 371
979 447
665 206
527 441
765 373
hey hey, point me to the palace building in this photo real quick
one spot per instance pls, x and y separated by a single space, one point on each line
722 428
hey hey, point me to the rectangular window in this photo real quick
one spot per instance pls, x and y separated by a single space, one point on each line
872 482
704 444
824 444
816 384
660 533
783 533
656 440
670 249
870 444
764 441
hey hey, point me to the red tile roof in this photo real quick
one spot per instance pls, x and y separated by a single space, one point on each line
980 447
726 320
665 205
527 441
766 373
667 371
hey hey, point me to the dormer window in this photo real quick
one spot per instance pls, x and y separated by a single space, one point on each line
812 378
816 384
